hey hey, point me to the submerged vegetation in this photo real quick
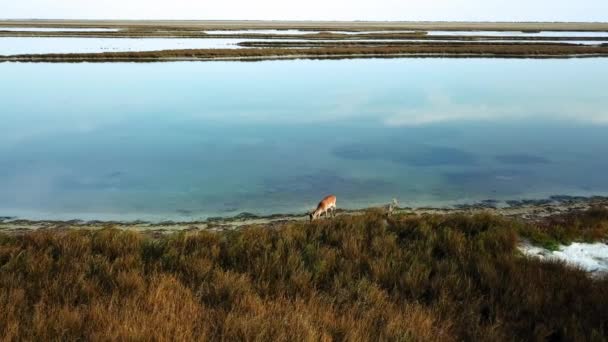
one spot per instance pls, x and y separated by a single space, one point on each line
355 277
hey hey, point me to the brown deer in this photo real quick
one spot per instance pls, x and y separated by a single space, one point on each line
326 205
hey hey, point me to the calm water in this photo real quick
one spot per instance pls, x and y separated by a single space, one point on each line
431 33
190 140
56 29
290 31
521 34
42 45
39 45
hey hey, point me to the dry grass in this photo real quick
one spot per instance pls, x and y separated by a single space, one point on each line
366 277
589 225
337 51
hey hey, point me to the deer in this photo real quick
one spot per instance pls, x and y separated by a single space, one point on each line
326 205
391 207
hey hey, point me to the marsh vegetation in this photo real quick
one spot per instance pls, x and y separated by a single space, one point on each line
363 277
334 51
312 39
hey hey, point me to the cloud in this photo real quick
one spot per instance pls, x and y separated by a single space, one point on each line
440 108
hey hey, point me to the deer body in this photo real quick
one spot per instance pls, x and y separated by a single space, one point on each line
326 205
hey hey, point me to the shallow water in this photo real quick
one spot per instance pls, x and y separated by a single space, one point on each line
276 32
191 140
294 31
431 33
381 42
42 45
520 33
56 29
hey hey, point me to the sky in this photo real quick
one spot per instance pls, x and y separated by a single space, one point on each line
431 10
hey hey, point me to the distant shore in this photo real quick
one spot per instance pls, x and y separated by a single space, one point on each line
323 42
528 210
279 24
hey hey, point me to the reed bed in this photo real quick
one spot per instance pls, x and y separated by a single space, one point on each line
354 50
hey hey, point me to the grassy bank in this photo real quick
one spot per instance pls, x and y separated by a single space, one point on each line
353 50
583 226
362 277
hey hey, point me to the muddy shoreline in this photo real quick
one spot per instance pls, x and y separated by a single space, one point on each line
527 210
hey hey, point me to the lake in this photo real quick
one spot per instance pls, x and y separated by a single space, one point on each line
189 140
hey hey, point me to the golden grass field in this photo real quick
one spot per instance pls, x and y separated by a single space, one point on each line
407 277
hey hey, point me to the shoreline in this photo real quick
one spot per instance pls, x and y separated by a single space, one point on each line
529 210
360 25
323 42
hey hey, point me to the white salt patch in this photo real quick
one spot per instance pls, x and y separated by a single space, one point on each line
591 257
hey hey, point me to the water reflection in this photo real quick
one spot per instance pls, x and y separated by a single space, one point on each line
521 159
191 140
440 107
411 154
